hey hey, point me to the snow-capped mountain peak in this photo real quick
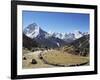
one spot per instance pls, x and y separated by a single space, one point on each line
57 35
32 30
78 34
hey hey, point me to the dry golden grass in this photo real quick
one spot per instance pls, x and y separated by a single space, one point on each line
51 57
26 64
59 57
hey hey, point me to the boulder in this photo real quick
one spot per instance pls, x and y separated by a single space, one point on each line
34 61
24 58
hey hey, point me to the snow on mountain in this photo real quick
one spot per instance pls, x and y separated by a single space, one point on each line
34 31
58 35
78 34
69 36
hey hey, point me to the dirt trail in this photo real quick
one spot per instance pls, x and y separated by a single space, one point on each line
34 55
51 58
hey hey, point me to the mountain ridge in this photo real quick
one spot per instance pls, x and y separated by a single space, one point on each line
51 40
33 30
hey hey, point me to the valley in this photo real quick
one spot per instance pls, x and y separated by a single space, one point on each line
52 58
43 50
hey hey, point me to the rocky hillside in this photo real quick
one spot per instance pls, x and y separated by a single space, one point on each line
79 46
28 42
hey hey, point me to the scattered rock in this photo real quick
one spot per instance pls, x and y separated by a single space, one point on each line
40 56
24 58
34 61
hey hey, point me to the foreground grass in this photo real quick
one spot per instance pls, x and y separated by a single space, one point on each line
50 58
61 58
26 64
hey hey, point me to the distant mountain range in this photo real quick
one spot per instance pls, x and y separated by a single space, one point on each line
81 45
42 37
72 36
51 40
69 37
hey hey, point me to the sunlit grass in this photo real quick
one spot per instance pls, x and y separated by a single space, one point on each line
59 57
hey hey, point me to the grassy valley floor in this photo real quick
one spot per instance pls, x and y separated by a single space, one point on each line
52 58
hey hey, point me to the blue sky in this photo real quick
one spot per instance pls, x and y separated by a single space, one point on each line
57 21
